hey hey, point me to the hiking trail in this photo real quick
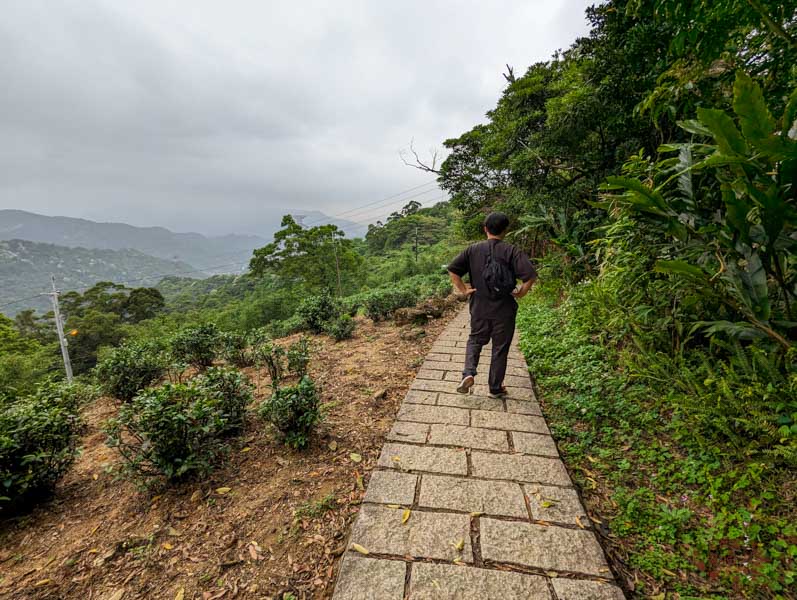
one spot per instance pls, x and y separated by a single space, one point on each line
470 499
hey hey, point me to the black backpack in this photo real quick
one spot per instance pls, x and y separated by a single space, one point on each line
498 277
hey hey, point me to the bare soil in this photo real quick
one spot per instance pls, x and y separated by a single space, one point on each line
278 530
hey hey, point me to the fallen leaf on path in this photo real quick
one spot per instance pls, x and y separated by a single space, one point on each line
406 516
360 549
180 594
222 490
355 457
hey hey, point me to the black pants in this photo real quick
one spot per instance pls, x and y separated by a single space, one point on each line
500 331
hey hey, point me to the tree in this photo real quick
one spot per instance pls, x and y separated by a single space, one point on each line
143 303
320 258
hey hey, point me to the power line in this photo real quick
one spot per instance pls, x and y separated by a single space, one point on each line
22 299
359 209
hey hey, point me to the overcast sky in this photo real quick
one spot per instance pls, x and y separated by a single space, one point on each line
212 116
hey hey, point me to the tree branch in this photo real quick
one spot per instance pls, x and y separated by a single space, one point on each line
417 163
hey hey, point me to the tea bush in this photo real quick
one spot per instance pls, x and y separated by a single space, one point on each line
380 304
179 430
341 328
196 345
287 327
298 357
315 312
294 411
235 348
38 442
130 368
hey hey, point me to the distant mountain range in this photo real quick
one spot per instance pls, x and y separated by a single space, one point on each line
25 269
81 252
192 248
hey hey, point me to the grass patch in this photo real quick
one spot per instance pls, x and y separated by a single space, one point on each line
686 518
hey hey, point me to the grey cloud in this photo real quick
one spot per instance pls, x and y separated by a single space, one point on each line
214 116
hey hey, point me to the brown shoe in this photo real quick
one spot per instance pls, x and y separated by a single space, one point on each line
465 385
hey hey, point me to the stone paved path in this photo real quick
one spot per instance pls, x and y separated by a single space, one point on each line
470 500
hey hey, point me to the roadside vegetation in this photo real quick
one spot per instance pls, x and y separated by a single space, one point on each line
651 170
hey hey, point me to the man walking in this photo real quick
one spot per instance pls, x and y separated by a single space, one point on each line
494 268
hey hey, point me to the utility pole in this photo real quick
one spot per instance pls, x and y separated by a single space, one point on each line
416 243
59 326
337 263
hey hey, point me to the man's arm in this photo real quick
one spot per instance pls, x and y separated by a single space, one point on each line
523 289
460 285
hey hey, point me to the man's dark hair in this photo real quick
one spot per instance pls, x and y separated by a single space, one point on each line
496 223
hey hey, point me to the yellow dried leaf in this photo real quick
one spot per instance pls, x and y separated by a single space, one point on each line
546 504
476 514
180 594
393 506
406 515
167 546
95 477
360 485
396 459
579 523
591 459
358 548
41 583
93 551
552 574
245 449
460 545
222 490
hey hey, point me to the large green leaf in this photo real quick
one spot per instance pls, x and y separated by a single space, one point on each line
750 283
789 125
754 116
680 267
742 331
724 130
640 196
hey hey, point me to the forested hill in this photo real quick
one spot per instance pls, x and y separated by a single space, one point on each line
25 269
193 248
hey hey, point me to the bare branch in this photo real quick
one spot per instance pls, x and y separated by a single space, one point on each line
417 163
509 75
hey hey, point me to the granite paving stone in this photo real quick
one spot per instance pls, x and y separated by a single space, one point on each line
541 546
534 443
469 401
508 421
370 579
449 582
500 498
420 397
523 407
423 413
516 393
391 487
380 530
403 431
439 356
430 374
468 437
519 467
434 386
555 504
422 458
580 589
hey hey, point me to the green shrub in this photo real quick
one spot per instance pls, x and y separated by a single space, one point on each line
298 357
287 327
179 430
272 356
130 368
38 443
341 328
316 311
380 304
294 411
351 305
235 348
196 345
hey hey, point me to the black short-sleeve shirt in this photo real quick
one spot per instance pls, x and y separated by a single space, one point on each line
472 260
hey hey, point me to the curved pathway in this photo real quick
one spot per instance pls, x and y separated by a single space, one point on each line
470 500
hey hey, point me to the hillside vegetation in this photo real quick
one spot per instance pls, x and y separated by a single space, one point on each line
650 169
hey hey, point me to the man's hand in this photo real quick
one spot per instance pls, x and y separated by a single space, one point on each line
523 289
463 290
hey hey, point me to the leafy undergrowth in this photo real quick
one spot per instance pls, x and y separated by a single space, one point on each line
270 522
679 521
